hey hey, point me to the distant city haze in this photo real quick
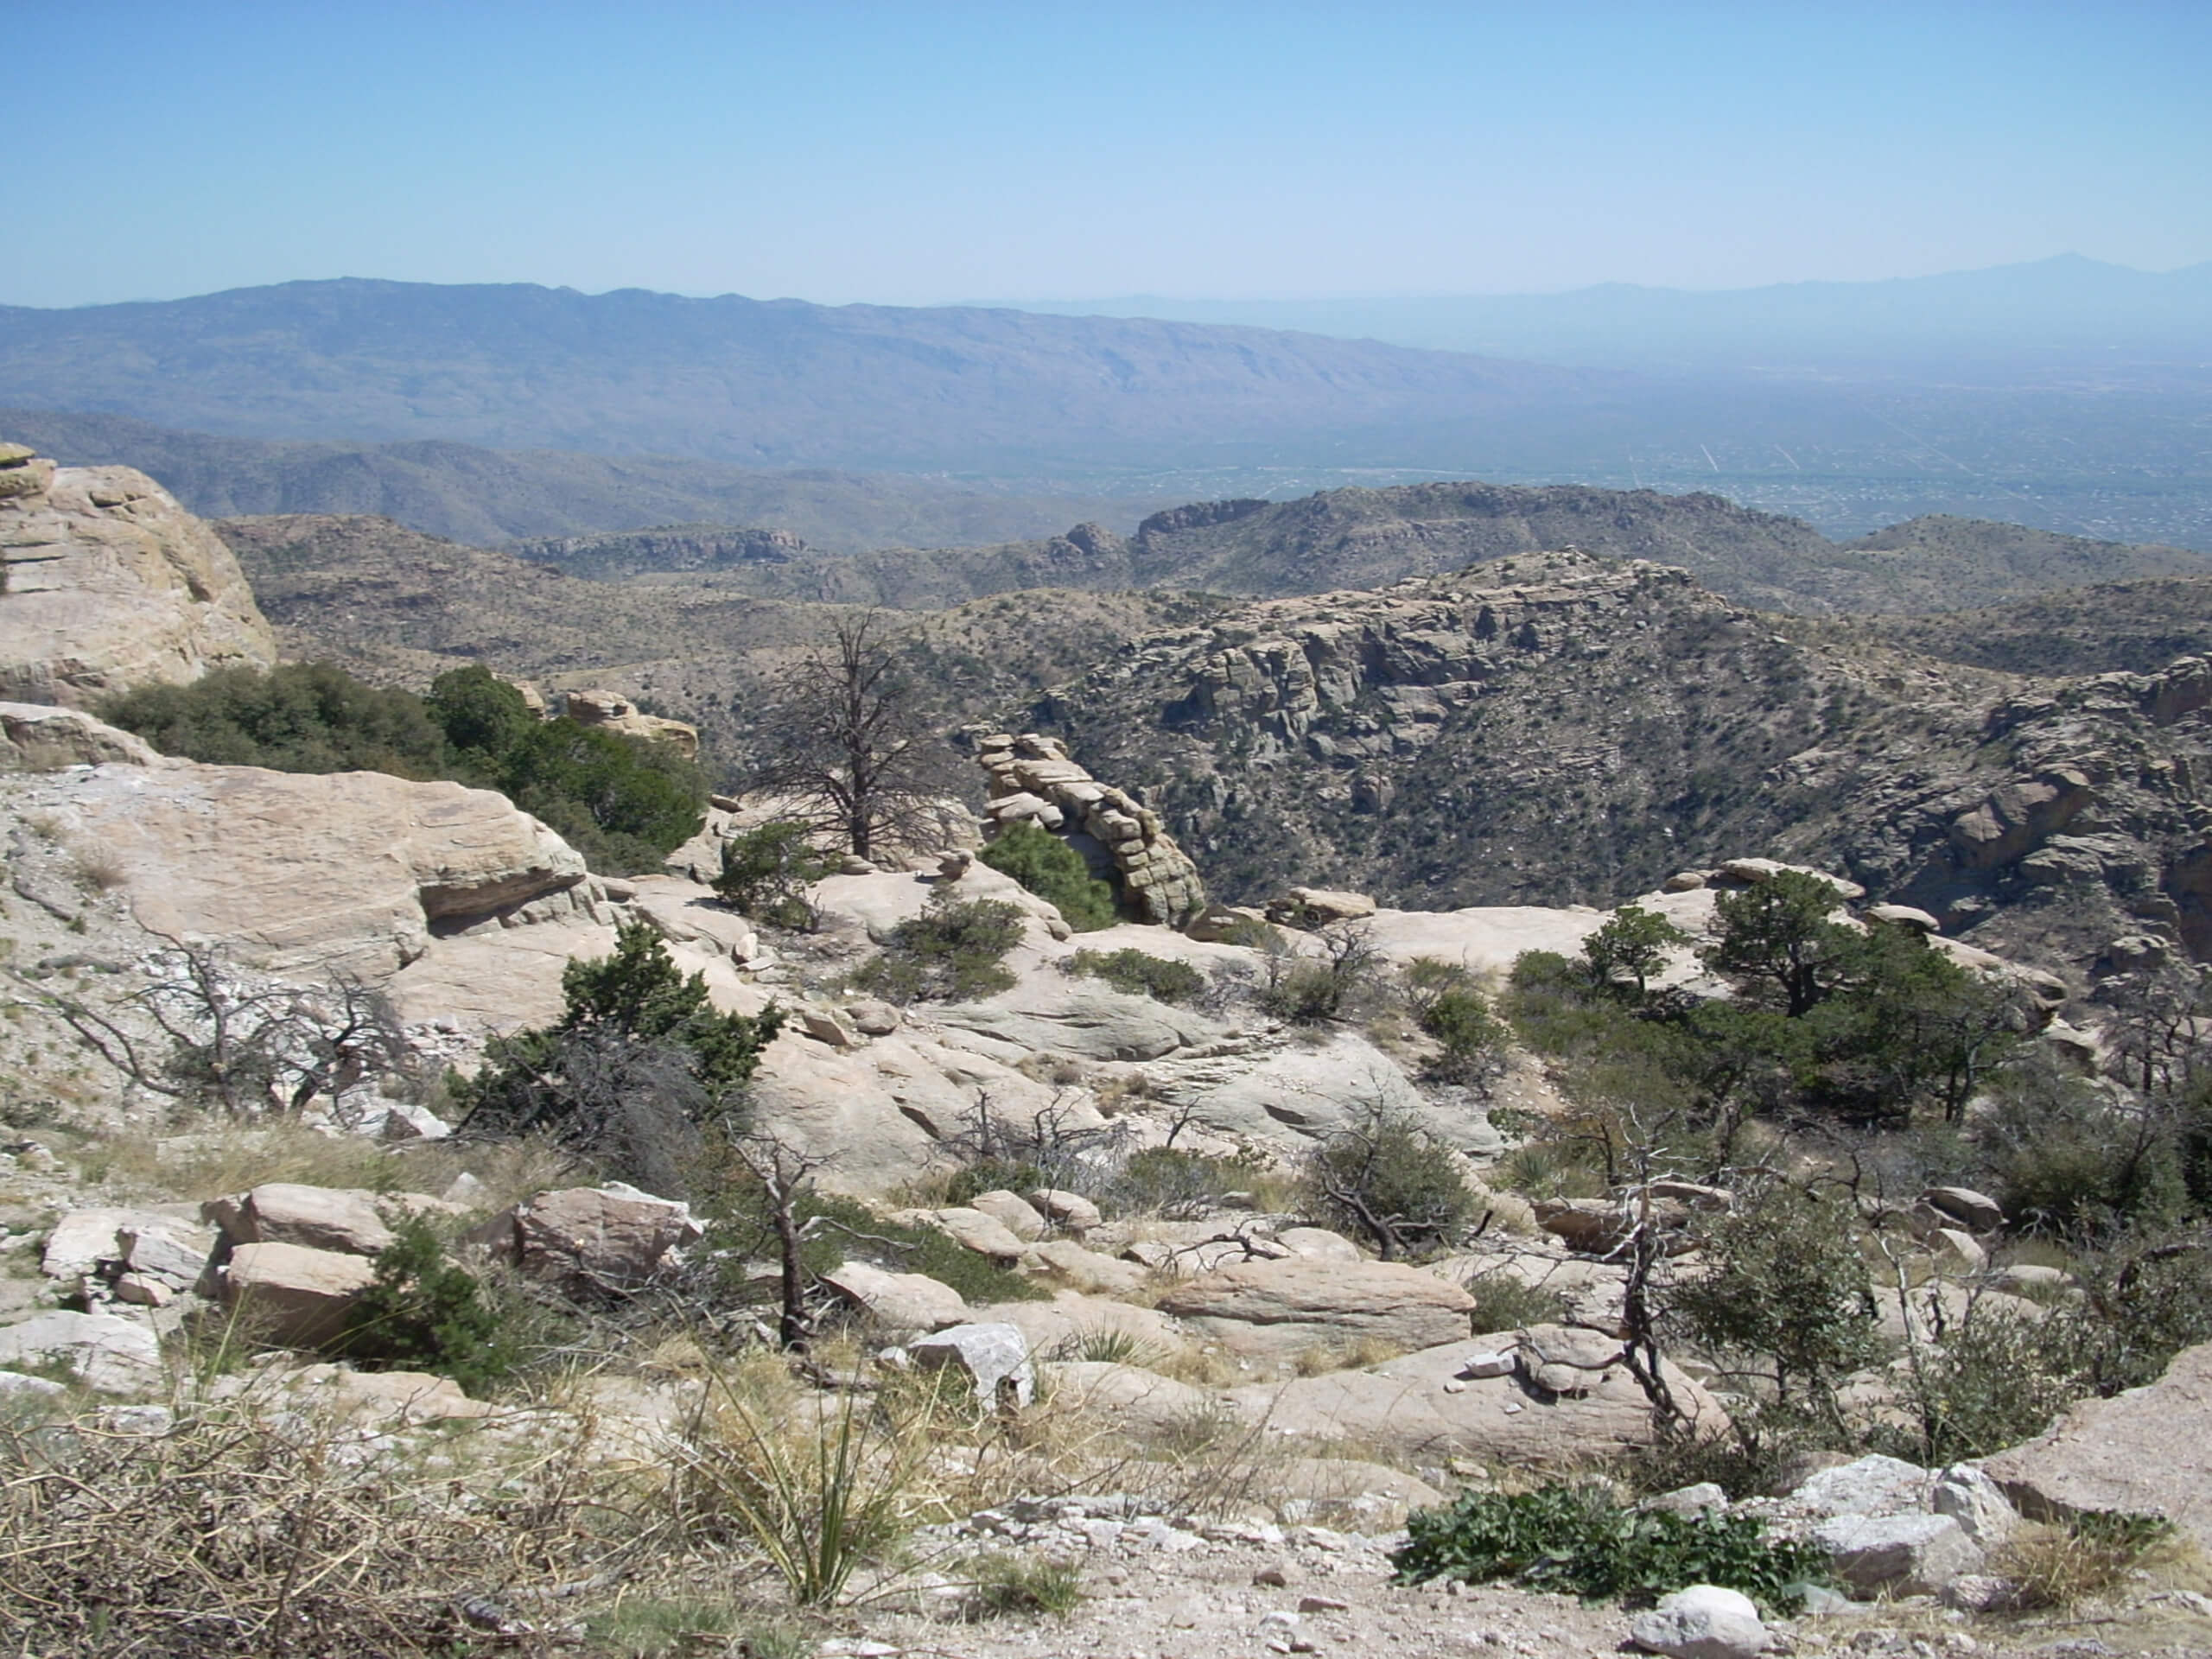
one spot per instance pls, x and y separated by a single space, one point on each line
914 155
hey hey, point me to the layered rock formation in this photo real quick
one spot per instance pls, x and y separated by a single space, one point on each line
1033 778
616 713
111 585
294 872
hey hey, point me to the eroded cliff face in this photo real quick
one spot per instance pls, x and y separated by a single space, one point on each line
112 585
1556 728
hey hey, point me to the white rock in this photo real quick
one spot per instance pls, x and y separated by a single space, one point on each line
995 1356
1901 1555
1689 1500
1872 1486
1976 1502
1703 1622
108 1353
1491 1362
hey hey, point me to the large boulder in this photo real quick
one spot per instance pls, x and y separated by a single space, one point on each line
292 1295
1139 1403
1896 1554
1428 1406
610 1237
616 713
2146 1451
1292 1094
39 737
1278 1310
1033 778
112 585
898 1302
319 1218
994 1359
353 872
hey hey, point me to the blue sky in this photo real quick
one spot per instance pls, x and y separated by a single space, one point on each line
908 153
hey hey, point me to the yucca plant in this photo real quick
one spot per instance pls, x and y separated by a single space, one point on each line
818 1504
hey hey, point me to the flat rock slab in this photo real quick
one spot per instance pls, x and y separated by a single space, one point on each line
2146 1451
107 1353
1277 1310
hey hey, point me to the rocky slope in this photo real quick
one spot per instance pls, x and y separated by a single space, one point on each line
108 584
1560 728
1368 538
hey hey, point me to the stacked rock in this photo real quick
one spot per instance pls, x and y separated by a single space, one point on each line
1033 778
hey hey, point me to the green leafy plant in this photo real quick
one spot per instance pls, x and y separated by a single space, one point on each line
1505 1303
766 873
1140 974
952 952
1468 1033
1580 1540
1055 872
425 1313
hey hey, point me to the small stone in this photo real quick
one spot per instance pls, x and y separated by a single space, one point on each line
1705 1621
1321 1604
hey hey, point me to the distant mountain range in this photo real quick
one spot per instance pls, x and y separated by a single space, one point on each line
776 383
2083 414
2017 315
467 493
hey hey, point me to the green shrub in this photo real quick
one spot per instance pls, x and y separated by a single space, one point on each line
1504 1303
1171 1182
1018 1584
1468 1033
1630 948
1308 989
622 802
1389 1181
952 952
834 1230
640 1065
1788 1299
298 717
421 1312
765 874
1582 1541
992 1175
1140 974
1055 872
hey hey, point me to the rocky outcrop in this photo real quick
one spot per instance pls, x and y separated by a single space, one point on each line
613 712
1278 1310
111 584
345 872
2146 1451
40 737
1033 779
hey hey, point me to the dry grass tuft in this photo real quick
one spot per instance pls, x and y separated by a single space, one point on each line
98 869
2057 1566
1350 1355
235 1533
